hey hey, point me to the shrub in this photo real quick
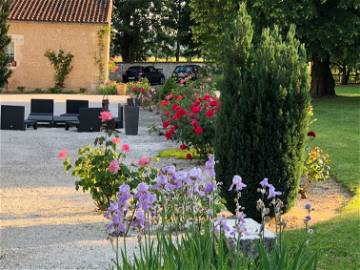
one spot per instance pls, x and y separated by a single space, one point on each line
61 62
105 90
38 90
170 85
102 168
55 90
317 165
262 125
82 90
189 116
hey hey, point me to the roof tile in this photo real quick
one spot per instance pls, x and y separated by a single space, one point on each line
66 11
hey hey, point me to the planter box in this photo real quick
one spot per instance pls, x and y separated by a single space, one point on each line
131 117
121 88
133 102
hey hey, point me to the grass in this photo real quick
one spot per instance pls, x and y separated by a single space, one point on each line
338 133
337 130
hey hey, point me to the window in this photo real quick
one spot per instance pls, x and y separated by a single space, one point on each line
10 52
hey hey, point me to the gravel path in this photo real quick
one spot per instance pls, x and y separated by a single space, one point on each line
45 222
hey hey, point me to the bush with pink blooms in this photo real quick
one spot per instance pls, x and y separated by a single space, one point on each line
189 115
102 168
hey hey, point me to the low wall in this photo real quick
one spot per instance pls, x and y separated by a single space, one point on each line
166 67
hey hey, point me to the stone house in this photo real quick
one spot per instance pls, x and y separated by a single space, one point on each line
79 27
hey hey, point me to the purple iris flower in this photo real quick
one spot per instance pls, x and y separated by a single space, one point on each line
170 169
195 173
209 188
221 223
265 182
113 206
272 193
307 206
237 183
210 166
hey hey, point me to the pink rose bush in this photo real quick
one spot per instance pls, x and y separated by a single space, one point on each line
102 168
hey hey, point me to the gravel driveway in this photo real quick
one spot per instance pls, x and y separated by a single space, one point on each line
45 222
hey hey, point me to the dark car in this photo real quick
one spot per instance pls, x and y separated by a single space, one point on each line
186 71
135 73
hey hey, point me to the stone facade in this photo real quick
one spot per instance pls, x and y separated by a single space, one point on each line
33 39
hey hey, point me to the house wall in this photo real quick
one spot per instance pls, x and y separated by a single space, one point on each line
33 39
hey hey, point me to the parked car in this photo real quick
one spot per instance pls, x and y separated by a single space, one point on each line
135 73
185 71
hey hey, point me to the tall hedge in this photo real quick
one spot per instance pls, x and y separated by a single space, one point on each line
262 124
4 42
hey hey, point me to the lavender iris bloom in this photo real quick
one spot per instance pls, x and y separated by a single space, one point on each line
265 182
272 193
210 166
237 183
195 174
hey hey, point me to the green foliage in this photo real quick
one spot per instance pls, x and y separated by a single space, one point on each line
21 89
317 165
4 42
189 115
61 62
132 22
109 89
281 257
263 121
170 85
82 90
142 91
192 251
92 169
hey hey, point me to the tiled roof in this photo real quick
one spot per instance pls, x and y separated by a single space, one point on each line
66 11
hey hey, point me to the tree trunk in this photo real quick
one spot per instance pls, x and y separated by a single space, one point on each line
345 76
322 81
177 51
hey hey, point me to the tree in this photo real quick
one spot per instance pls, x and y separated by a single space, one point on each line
4 42
327 28
132 29
175 27
262 125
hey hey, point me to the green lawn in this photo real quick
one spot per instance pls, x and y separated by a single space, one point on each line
337 129
338 133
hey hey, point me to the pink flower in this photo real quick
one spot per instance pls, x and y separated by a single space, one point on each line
143 161
125 148
114 166
63 154
105 116
116 140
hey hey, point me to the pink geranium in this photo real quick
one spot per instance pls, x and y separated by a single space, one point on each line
105 116
143 161
63 154
116 140
114 166
125 148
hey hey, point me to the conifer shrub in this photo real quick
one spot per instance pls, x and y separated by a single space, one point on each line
262 125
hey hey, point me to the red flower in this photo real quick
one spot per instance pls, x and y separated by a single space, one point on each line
166 123
179 98
183 147
210 113
169 97
198 130
164 103
311 134
178 114
207 97
188 156
175 107
167 113
214 103
195 109
194 123
142 89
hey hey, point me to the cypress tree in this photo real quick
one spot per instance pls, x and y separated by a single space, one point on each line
4 42
262 124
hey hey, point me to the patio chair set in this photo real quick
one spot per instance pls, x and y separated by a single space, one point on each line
78 114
